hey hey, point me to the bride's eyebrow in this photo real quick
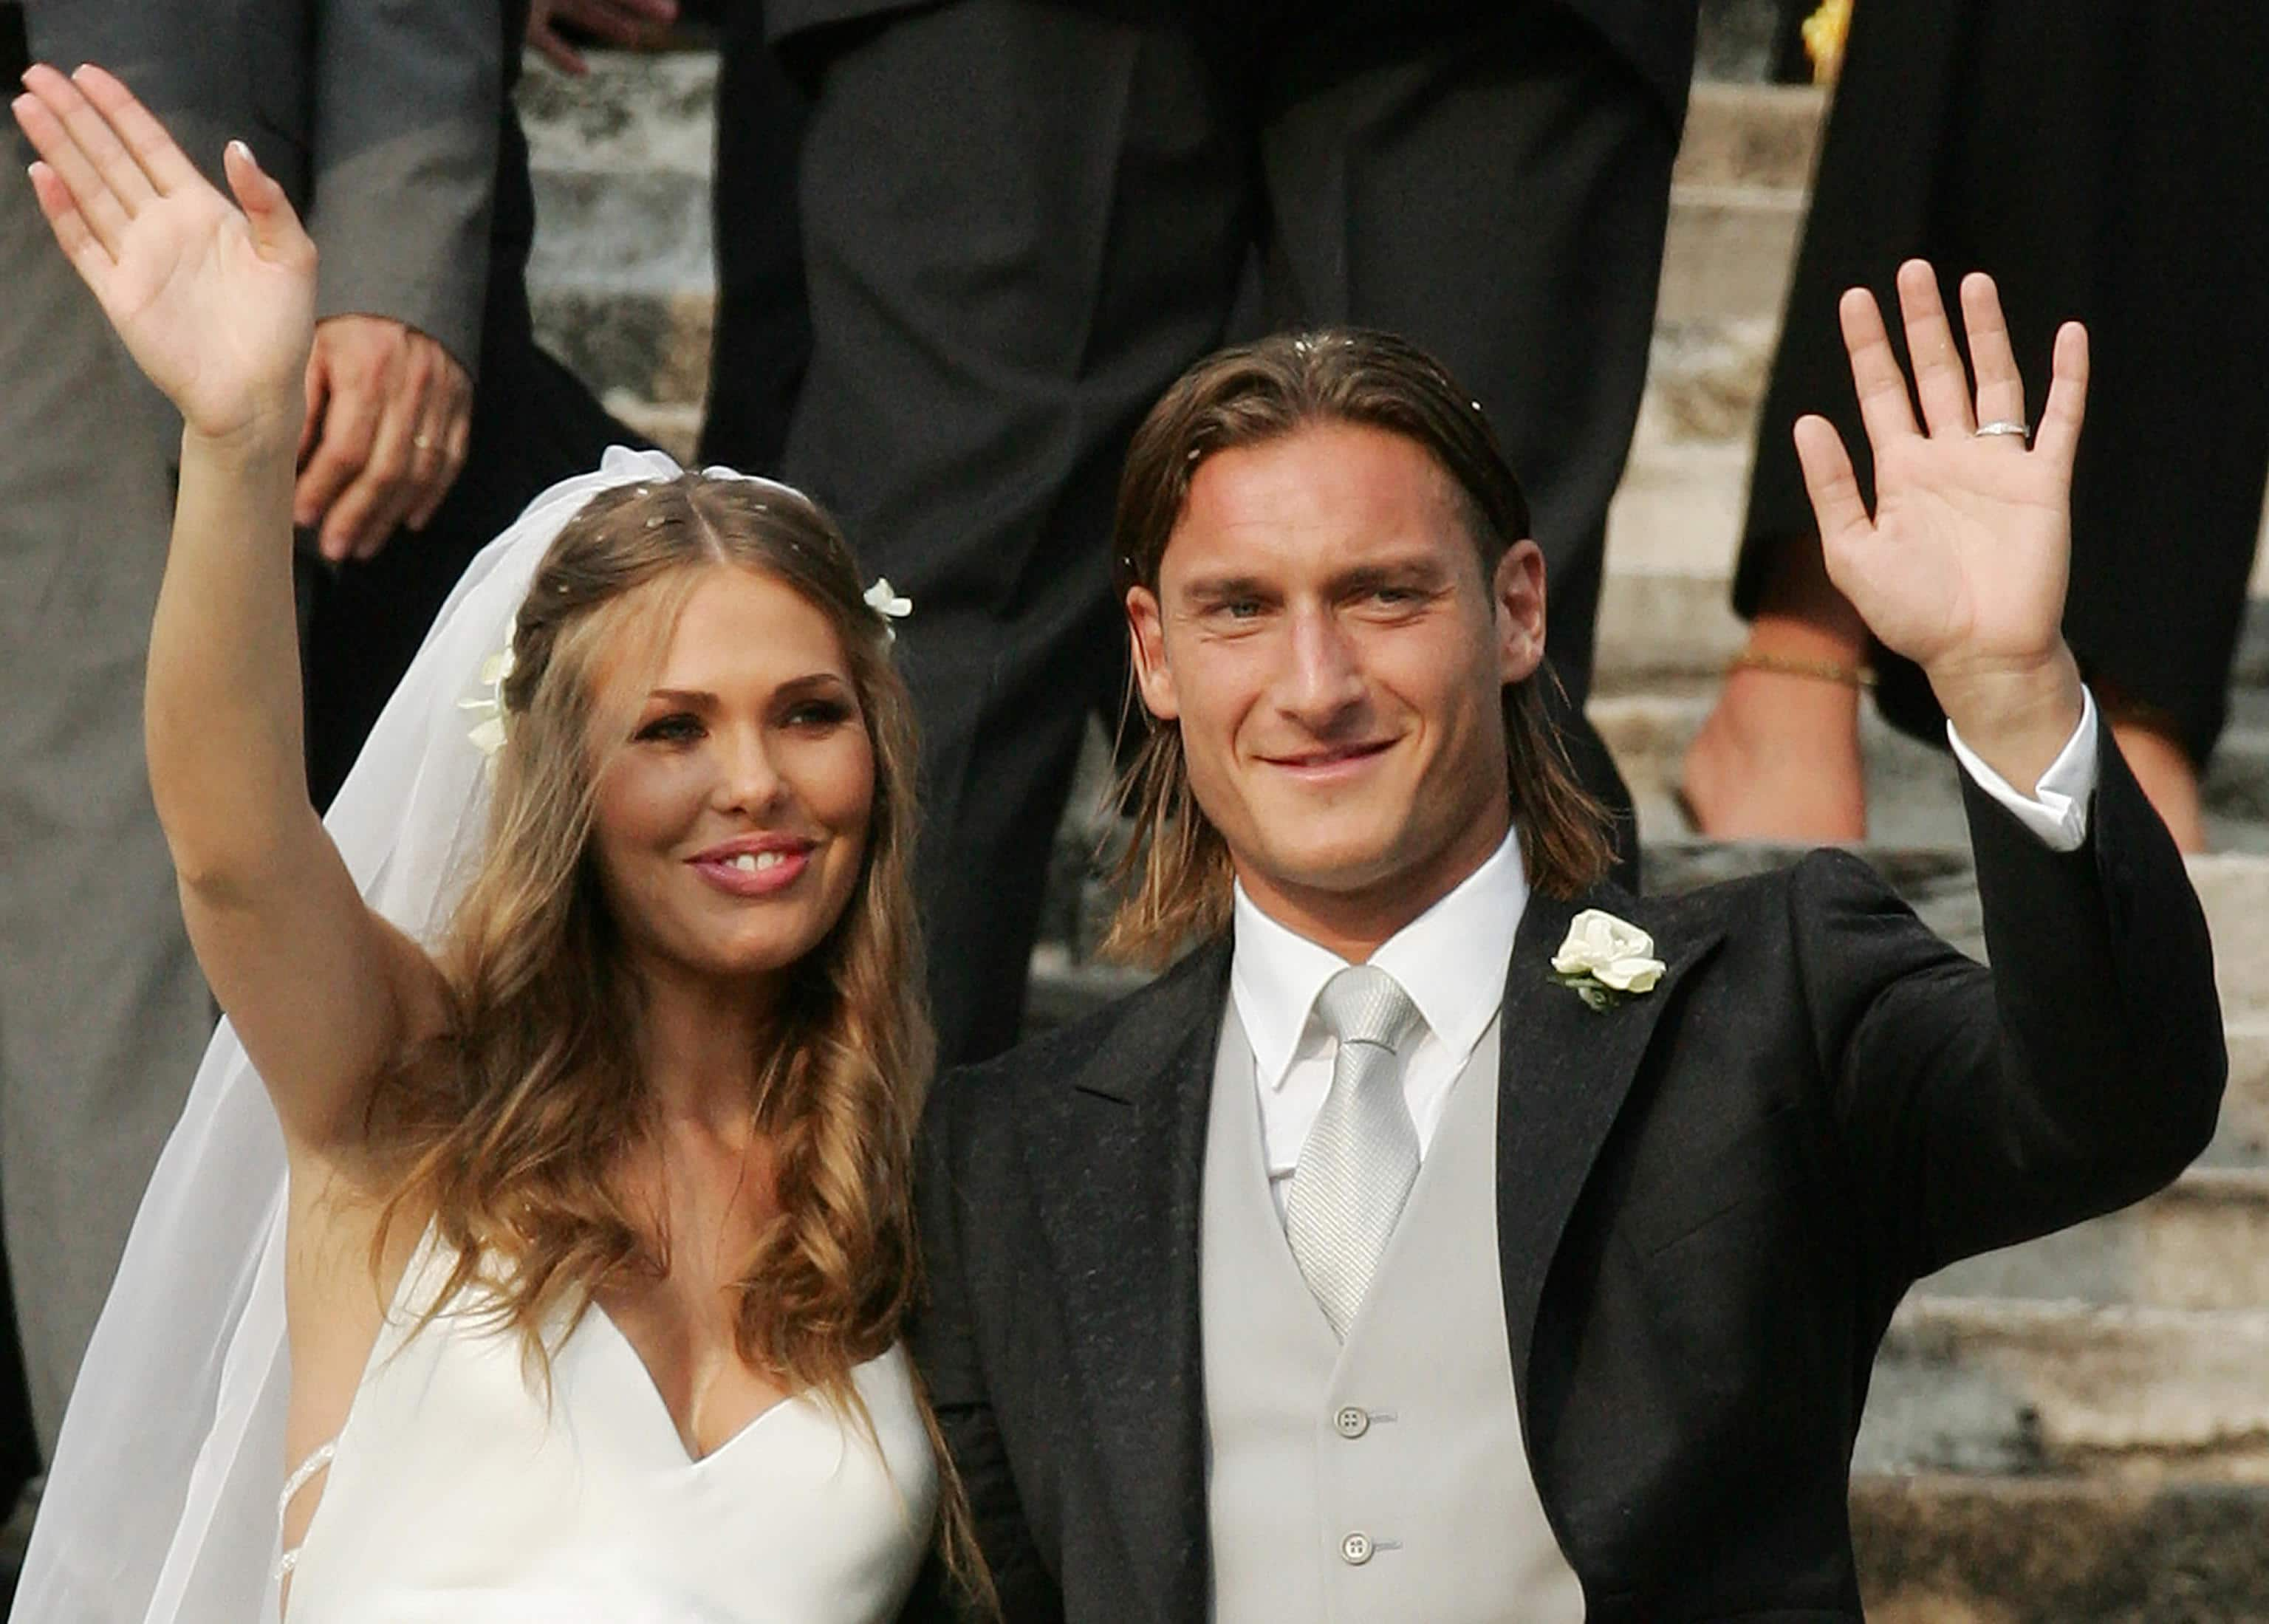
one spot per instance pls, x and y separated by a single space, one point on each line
701 698
814 682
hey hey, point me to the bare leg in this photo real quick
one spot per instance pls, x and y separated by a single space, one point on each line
1779 757
2169 780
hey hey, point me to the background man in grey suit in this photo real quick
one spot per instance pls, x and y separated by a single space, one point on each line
383 120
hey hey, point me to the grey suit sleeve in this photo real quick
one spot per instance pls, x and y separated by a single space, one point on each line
408 97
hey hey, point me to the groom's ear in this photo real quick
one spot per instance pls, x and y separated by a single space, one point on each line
1517 591
1146 635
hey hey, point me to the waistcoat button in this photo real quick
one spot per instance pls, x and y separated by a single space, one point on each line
1355 1550
1351 1421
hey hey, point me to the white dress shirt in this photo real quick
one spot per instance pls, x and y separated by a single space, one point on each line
1453 960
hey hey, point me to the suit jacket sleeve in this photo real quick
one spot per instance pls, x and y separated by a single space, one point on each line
2085 1070
949 1352
408 101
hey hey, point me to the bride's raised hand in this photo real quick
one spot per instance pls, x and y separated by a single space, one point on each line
215 300
1963 564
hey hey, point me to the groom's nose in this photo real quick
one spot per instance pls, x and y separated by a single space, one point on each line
1322 675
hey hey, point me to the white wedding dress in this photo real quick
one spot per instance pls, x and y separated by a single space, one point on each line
457 1494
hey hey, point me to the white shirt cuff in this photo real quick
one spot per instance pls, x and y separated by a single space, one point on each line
2057 810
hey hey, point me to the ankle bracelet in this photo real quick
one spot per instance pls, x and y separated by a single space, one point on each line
1819 670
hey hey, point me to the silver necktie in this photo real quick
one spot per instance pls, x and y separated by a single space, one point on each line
1361 1155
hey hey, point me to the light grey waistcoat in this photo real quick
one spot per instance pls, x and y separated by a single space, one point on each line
1384 1480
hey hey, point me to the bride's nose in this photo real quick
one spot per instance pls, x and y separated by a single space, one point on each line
747 779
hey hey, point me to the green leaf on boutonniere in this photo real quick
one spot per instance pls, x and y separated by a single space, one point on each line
1594 992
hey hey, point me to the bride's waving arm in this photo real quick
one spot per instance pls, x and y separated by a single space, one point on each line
216 303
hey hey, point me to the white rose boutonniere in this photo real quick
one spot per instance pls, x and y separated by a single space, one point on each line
1606 959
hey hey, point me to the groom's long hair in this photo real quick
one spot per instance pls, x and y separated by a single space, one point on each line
1175 876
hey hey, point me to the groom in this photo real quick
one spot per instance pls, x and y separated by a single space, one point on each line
1386 1259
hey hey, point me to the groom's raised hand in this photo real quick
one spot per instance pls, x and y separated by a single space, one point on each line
1962 566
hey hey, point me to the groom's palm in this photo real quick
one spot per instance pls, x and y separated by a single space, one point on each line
1961 566
1967 555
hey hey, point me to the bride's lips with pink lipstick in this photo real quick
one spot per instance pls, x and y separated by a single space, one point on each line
754 865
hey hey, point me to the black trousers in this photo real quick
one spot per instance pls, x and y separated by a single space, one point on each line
1024 220
762 340
2108 163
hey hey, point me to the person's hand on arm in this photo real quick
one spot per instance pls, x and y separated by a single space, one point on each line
389 416
630 24
216 303
1962 566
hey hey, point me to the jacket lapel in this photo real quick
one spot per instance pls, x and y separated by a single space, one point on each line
1565 1069
1119 1187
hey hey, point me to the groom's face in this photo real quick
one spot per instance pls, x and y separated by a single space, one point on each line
1325 637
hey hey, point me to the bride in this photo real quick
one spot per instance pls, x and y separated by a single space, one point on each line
589 1025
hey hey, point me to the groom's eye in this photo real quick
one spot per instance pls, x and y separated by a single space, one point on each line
1233 606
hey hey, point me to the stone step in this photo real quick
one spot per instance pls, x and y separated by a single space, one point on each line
2242 1138
1975 1385
2201 1244
1940 1548
621 160
1764 137
1913 798
675 429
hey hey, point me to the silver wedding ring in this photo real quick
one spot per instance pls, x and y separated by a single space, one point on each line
424 442
2003 426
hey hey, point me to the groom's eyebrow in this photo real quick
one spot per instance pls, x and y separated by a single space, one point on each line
1221 588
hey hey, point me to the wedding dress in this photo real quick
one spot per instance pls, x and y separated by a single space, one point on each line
456 1496
460 1492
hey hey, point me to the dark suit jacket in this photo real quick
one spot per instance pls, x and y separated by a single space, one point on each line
379 116
1655 36
1711 1199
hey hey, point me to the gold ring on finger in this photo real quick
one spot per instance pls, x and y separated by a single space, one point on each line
424 442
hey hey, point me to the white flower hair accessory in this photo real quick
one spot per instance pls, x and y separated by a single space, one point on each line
1606 959
488 733
884 599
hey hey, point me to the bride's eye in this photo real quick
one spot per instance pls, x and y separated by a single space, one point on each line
818 715
678 727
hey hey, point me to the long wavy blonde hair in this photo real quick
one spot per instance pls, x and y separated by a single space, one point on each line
514 1123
